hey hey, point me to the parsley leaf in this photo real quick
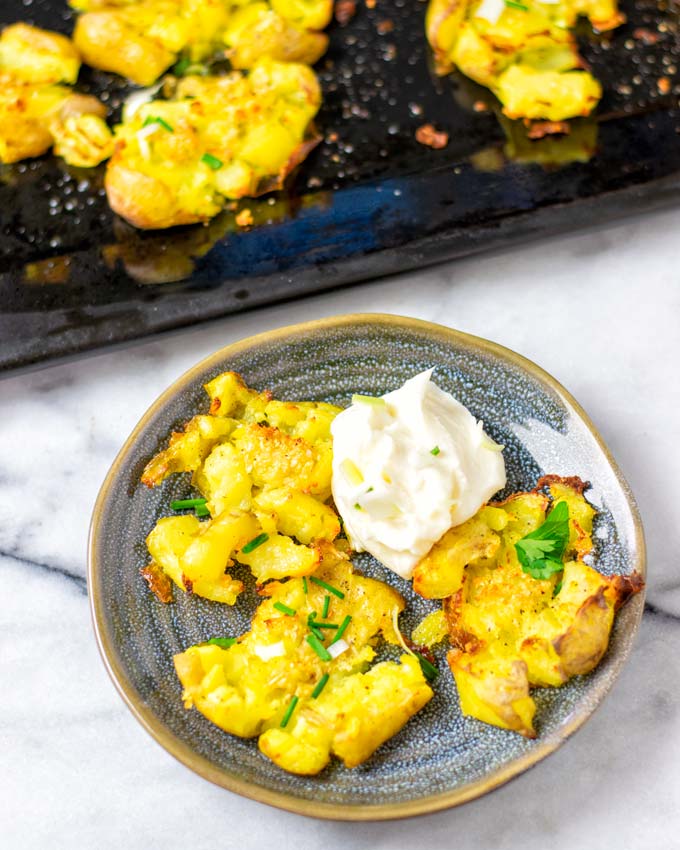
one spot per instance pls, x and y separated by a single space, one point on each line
540 552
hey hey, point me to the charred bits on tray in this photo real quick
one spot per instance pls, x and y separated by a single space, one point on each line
428 135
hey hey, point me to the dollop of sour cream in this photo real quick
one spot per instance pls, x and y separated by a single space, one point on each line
407 467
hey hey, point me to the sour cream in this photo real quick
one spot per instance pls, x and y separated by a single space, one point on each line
407 467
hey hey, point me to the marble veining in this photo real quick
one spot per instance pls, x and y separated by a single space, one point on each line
601 312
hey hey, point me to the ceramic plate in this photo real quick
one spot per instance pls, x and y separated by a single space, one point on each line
441 758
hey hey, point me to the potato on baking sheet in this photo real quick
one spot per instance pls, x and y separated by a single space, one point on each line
304 702
38 110
523 51
178 161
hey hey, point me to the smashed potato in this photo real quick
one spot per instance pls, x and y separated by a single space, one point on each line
141 40
177 161
509 630
273 683
523 51
263 468
37 108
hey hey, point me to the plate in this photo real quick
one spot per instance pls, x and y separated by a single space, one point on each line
440 758
369 201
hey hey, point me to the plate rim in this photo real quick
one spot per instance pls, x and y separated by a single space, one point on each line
339 811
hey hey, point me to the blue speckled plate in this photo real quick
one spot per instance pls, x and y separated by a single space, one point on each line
441 758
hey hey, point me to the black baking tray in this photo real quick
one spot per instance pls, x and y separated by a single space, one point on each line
369 201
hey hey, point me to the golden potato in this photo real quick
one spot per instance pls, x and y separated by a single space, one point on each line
177 161
272 683
524 52
37 112
511 627
264 492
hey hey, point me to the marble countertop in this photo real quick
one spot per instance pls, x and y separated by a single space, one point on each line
601 312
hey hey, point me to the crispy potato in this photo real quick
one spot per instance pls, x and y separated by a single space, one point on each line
177 161
141 40
37 112
262 484
510 631
527 57
246 688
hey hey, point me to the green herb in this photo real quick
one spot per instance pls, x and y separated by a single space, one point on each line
370 490
540 552
254 543
201 510
435 451
358 506
512 4
342 628
557 588
319 648
181 504
284 609
320 685
318 625
225 643
304 583
289 711
313 627
328 587
368 399
429 670
182 66
212 161
326 606
156 119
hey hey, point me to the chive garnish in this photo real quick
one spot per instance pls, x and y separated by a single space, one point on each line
358 506
435 451
181 504
284 609
512 4
318 625
319 648
212 161
328 587
181 66
225 643
326 604
201 510
342 628
557 588
320 685
291 708
429 670
313 627
254 543
156 119
304 583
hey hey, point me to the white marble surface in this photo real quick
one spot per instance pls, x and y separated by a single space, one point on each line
601 312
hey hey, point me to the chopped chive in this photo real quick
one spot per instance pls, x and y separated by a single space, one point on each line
285 609
304 583
370 490
156 119
512 4
358 506
225 643
201 510
254 543
342 628
328 587
429 670
318 625
181 66
212 161
313 627
181 504
291 708
557 588
435 451
368 399
320 685
326 605
318 647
